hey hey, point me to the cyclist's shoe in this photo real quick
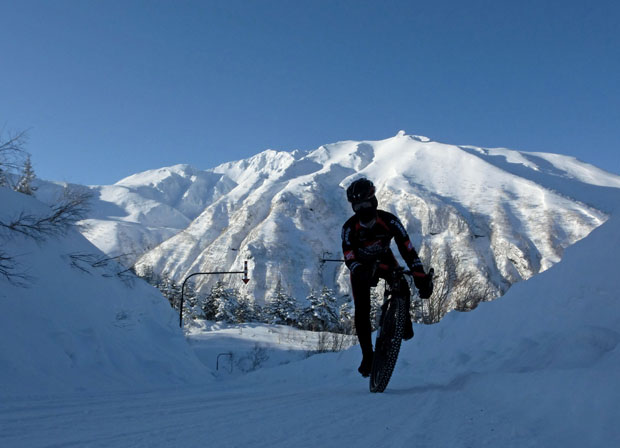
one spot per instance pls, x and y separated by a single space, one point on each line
408 331
366 365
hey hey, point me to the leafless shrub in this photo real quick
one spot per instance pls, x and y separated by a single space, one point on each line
333 342
66 212
70 208
110 265
254 359
471 293
444 279
454 287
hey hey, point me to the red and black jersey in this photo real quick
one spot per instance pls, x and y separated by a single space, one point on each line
362 244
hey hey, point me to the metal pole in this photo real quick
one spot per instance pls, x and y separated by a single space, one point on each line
245 280
217 364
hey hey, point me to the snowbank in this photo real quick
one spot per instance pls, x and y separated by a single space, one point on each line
75 326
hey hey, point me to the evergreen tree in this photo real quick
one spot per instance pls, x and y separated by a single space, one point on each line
345 317
24 185
209 305
320 314
281 308
191 305
170 290
148 274
221 304
246 310
227 305
307 320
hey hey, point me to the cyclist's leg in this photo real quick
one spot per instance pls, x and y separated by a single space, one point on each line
360 284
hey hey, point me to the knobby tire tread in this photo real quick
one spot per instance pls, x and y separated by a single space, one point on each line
388 344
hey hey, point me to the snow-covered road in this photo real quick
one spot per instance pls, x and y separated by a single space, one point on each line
321 401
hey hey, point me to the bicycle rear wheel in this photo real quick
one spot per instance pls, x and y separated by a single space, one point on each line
387 345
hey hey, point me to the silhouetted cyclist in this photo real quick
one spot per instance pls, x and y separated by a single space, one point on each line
366 238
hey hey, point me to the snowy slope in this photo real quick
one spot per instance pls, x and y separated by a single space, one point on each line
73 326
505 215
537 368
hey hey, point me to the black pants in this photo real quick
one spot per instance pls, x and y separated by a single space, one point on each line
362 279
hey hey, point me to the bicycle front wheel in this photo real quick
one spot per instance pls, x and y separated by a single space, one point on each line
387 345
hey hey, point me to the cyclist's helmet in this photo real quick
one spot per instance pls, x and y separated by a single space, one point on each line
360 190
361 195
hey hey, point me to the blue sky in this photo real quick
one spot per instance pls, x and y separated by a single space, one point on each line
110 88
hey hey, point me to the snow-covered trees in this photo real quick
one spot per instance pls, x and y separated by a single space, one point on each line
281 308
25 183
16 169
170 289
345 317
323 312
247 310
225 302
11 156
227 305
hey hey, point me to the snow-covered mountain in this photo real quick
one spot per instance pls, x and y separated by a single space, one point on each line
494 216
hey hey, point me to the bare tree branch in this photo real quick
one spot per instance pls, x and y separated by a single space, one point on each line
12 156
455 286
13 144
65 213
70 209
108 265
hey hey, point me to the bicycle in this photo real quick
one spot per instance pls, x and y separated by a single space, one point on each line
391 326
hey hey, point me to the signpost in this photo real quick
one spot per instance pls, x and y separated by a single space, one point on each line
245 280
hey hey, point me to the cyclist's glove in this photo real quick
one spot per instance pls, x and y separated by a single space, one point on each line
423 282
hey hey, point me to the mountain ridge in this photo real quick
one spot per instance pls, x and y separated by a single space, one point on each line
504 214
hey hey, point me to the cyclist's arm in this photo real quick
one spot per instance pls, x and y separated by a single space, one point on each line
348 249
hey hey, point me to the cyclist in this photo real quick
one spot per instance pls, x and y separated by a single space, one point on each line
366 238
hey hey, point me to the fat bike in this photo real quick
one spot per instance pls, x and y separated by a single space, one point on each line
391 326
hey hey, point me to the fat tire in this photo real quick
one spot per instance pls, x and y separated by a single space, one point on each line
387 345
